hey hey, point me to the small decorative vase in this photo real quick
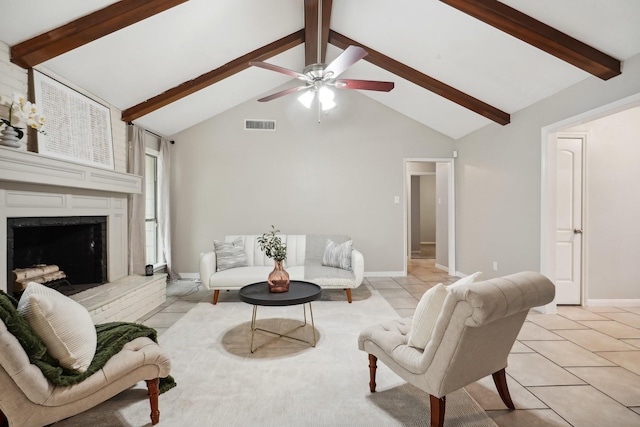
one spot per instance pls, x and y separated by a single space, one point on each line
278 279
9 137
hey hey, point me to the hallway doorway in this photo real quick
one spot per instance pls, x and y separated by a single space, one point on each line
430 212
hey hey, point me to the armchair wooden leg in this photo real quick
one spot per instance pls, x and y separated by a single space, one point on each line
372 372
348 290
153 387
500 380
216 294
437 410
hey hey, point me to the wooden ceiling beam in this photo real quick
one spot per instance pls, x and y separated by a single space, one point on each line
311 9
86 29
540 35
211 77
423 80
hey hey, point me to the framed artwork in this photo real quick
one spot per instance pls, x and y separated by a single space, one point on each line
77 128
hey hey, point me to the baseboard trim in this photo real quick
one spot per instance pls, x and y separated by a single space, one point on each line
384 274
189 275
442 267
631 302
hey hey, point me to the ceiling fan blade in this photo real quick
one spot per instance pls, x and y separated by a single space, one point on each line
278 69
364 85
346 59
283 93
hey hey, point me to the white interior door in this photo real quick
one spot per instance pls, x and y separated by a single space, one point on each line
569 221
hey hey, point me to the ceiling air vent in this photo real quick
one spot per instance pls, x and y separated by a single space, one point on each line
250 124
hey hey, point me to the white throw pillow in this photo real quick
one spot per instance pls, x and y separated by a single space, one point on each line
424 319
337 255
62 324
475 277
230 255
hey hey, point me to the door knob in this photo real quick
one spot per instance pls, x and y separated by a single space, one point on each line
577 231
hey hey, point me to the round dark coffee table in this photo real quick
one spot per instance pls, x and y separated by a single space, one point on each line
300 292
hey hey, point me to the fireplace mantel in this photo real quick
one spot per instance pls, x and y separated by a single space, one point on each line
33 168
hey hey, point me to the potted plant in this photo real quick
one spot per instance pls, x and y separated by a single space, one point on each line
20 111
272 246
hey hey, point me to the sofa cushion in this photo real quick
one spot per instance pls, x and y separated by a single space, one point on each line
62 324
337 255
426 315
241 276
230 255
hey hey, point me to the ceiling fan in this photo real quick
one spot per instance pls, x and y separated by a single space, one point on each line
318 77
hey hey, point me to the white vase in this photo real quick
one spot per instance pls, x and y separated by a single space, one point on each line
9 137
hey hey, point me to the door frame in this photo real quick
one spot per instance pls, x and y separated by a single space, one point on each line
548 141
451 199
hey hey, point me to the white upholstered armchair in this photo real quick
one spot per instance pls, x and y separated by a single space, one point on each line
469 338
37 390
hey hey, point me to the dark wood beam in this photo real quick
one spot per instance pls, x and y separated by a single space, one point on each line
311 10
86 29
310 32
214 76
540 35
423 80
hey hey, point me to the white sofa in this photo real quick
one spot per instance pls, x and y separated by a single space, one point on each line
304 262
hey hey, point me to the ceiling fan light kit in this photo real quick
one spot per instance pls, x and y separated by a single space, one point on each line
306 99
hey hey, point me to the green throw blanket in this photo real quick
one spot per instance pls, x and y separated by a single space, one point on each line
111 338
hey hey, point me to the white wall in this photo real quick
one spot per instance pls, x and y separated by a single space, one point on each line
337 176
498 177
415 218
428 208
612 230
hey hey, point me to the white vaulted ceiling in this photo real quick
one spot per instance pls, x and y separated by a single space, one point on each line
143 60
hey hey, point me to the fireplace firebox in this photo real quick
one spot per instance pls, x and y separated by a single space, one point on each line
77 245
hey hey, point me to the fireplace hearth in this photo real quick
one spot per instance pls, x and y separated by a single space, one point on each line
76 244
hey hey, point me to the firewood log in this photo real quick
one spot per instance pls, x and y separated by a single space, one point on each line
35 271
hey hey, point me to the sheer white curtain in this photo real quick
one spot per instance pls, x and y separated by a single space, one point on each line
164 205
136 208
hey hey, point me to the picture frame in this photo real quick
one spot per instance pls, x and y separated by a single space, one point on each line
77 128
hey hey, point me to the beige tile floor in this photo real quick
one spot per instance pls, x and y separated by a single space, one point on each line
579 367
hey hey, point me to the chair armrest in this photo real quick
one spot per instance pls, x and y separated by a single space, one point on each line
208 267
357 265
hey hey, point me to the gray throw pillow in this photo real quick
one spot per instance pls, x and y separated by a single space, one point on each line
230 255
337 255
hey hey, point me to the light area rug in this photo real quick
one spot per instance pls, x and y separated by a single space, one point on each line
284 383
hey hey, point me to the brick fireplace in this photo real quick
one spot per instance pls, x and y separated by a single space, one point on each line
34 186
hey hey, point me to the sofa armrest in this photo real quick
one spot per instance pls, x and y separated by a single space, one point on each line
357 265
208 266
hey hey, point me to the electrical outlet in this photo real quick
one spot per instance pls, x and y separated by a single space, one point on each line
396 199
495 265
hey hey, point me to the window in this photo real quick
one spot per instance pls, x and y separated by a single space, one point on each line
151 207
